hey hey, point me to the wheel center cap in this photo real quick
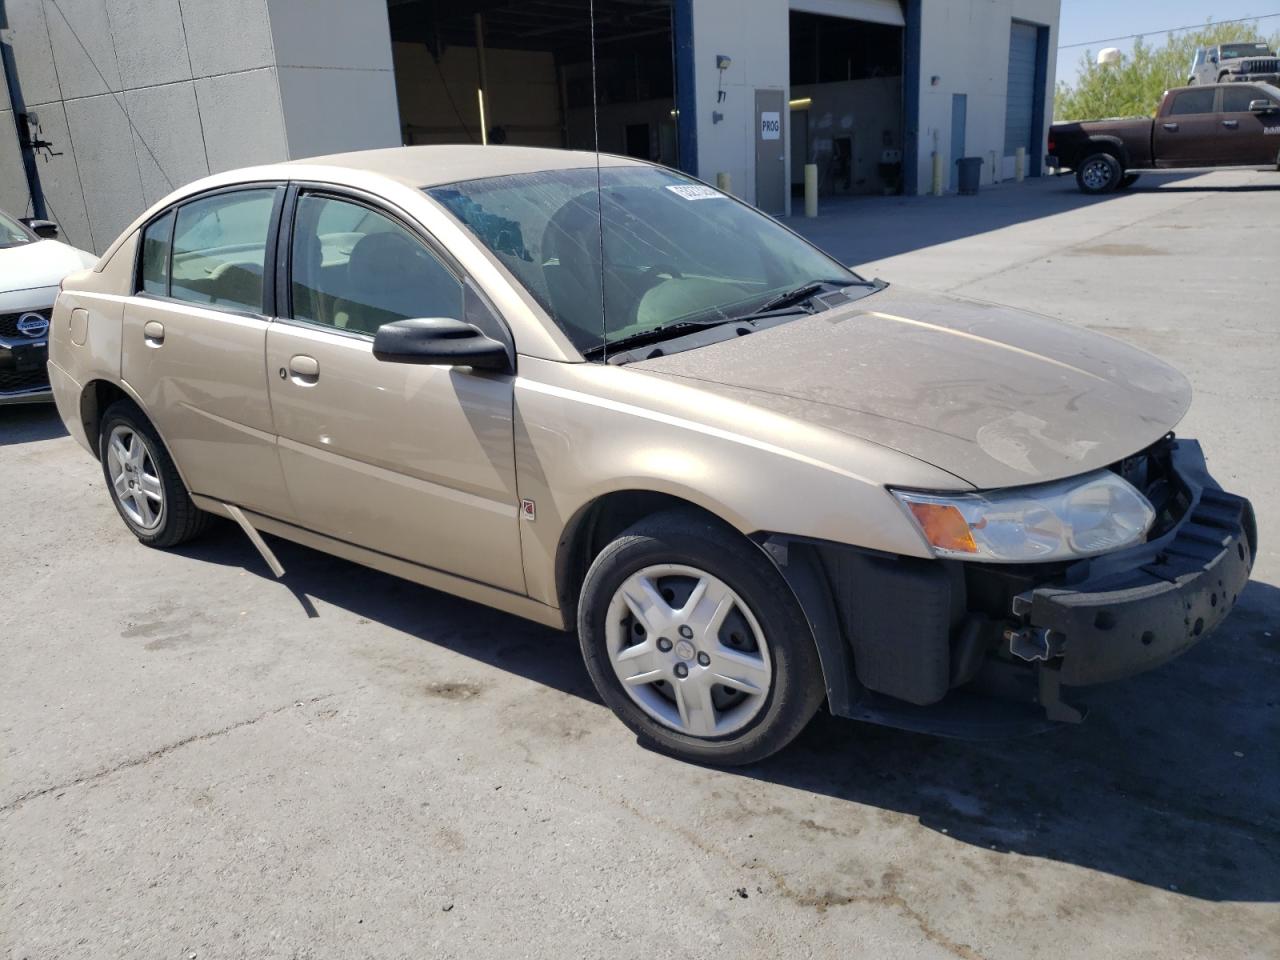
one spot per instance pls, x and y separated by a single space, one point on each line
684 650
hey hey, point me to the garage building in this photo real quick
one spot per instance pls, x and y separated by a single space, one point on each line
107 105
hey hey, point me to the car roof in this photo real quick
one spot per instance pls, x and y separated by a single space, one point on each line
430 166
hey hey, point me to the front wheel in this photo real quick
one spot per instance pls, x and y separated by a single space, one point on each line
695 641
1099 173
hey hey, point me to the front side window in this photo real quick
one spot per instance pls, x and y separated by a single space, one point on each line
355 269
674 251
154 274
219 248
1193 101
1236 99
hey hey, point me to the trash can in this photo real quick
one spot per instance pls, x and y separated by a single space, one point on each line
970 174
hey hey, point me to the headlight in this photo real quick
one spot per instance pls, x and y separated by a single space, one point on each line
1072 518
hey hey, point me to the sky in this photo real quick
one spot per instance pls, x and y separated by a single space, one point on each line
1084 20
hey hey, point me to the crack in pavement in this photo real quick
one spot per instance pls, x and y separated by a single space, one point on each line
156 754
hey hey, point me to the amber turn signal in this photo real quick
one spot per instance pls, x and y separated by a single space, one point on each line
944 527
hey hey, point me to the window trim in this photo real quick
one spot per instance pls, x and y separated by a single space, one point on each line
381 206
268 260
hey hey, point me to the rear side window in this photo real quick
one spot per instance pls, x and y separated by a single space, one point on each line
355 269
1193 101
219 248
155 256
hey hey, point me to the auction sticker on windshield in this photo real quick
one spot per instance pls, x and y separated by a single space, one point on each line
693 191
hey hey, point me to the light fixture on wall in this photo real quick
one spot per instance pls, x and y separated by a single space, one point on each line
722 62
800 103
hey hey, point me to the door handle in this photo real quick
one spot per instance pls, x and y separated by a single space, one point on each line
153 333
303 370
1231 123
1171 127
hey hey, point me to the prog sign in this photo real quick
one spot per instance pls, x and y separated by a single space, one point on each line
770 125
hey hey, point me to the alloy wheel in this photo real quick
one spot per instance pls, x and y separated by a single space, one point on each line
135 481
688 650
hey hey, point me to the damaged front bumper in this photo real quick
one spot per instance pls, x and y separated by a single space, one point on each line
977 650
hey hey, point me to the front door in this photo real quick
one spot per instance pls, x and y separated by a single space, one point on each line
771 153
1248 139
193 341
1187 135
412 461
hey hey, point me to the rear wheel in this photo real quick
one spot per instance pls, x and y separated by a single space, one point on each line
145 486
1099 173
697 644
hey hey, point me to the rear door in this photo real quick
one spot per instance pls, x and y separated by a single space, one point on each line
1248 139
412 461
194 340
1187 134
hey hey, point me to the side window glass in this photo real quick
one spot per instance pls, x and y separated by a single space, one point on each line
1237 99
1193 101
154 275
219 247
355 269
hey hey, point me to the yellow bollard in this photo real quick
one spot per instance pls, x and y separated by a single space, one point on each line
937 174
810 189
724 183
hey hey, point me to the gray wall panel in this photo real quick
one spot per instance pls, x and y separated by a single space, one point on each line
167 138
108 165
209 24
242 120
82 48
150 44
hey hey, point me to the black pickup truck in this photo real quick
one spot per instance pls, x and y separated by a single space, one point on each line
1217 125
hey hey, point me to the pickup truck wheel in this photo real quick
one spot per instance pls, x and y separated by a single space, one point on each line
145 486
1099 173
1128 180
694 640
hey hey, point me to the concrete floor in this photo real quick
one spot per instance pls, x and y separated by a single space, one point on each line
196 764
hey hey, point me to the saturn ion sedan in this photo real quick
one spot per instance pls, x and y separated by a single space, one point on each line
616 400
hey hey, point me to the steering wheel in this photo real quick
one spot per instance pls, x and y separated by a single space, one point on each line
657 269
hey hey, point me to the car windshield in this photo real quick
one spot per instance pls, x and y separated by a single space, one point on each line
676 252
12 233
1232 50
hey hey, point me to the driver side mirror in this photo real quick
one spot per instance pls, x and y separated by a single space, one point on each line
439 340
45 229
1262 106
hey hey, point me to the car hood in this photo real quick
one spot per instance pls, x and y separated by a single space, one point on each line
996 396
43 263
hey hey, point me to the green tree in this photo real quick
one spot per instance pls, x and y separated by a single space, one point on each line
1135 85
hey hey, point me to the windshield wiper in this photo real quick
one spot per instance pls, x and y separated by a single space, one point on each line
655 334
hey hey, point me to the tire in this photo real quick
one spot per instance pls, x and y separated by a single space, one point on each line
143 482
1099 173
757 639
1127 181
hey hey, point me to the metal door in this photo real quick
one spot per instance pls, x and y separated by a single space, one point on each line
771 153
959 118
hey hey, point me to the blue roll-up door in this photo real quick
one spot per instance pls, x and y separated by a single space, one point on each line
1021 94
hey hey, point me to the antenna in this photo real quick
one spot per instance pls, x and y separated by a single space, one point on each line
595 123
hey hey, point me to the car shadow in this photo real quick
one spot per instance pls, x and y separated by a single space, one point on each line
28 422
862 229
1173 781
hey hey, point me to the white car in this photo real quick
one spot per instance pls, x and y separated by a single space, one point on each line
32 266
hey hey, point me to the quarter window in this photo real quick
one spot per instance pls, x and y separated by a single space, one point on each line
155 255
219 248
1193 101
355 269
